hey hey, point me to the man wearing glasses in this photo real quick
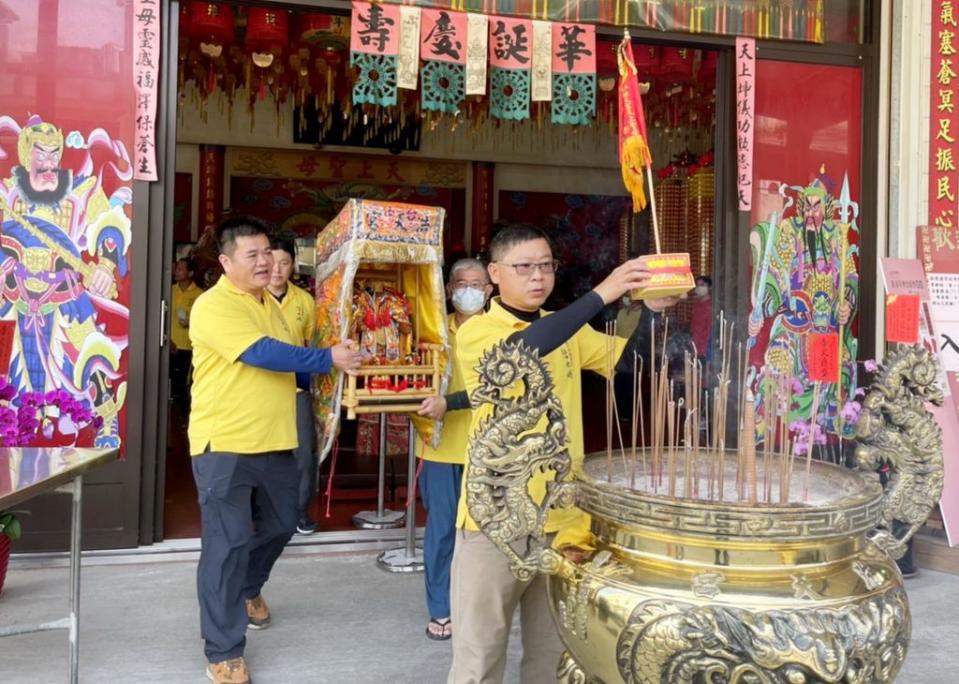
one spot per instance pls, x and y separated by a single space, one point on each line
484 594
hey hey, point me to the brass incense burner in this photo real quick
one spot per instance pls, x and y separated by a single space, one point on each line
708 591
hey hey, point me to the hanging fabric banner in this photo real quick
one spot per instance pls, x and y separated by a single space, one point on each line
374 48
510 59
541 86
443 46
146 32
745 112
408 67
573 63
477 36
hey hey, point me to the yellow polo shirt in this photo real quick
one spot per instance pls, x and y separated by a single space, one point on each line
299 310
456 424
586 350
237 407
182 300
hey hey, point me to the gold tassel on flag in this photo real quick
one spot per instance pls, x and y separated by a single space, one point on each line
634 152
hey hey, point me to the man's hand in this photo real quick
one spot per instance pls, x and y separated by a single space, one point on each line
101 282
845 313
575 554
346 357
433 407
658 304
628 276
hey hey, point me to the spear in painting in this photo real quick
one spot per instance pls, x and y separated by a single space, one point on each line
848 210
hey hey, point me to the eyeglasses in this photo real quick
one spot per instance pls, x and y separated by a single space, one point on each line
526 268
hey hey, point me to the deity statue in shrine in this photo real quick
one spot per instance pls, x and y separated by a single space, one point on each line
381 323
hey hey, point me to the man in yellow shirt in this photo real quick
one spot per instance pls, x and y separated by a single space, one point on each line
185 293
242 434
484 594
442 470
299 311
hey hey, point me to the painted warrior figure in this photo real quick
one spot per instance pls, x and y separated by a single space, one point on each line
806 282
381 323
64 247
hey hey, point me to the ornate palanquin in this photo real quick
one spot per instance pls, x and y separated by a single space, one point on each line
391 253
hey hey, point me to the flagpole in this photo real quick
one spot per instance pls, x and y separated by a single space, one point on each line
652 207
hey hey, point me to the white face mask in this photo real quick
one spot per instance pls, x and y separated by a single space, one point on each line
468 300
702 290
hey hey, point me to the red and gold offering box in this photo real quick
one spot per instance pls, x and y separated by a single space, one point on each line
672 276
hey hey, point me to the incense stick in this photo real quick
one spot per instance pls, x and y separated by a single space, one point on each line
812 436
749 438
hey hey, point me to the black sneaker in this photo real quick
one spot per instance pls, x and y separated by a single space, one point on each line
909 572
306 526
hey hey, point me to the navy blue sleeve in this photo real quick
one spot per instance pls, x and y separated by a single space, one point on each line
270 354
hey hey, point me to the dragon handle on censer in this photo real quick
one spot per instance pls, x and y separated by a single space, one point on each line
707 590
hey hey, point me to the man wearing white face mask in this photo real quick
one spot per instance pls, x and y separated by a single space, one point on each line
442 469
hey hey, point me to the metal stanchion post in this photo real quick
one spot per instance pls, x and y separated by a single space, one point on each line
382 518
407 558
75 579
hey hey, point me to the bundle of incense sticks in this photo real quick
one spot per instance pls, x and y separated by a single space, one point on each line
676 413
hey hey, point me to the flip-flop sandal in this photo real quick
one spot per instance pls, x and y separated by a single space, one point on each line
445 630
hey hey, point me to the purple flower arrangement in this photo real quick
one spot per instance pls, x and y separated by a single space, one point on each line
54 418
849 413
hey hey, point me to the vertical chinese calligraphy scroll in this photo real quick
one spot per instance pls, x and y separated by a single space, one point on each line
408 67
146 36
745 119
943 121
574 74
477 36
541 85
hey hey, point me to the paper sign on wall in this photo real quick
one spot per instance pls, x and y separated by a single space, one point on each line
902 319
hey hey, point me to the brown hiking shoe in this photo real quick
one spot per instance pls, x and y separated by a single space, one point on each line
232 671
258 613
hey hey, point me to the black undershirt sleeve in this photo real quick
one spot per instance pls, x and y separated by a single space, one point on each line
550 332
457 401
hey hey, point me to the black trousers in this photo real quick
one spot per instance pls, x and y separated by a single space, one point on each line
305 451
249 512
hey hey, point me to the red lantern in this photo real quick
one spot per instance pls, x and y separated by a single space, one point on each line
606 62
324 30
267 30
676 64
647 61
185 22
707 68
326 38
267 36
211 23
211 27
